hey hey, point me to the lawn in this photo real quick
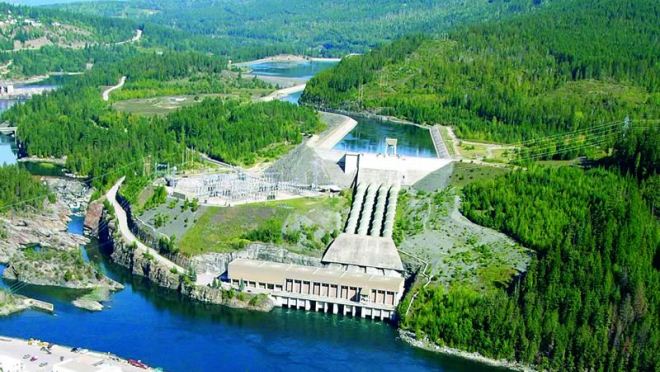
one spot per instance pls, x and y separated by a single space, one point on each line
301 225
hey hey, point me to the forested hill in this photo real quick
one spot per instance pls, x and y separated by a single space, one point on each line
560 68
23 27
589 301
36 41
256 28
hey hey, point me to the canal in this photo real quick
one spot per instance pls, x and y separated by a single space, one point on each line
164 330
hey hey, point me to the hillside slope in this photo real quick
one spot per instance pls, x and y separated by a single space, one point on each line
560 68
322 27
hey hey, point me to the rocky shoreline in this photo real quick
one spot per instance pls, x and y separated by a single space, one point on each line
410 338
141 264
49 226
10 304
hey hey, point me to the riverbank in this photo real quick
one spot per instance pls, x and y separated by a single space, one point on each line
11 304
47 356
281 93
425 344
147 262
287 58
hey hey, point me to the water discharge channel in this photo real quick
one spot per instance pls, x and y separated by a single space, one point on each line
165 330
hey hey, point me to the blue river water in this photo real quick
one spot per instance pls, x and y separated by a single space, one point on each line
8 150
165 330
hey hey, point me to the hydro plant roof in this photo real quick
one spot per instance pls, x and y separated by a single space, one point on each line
364 250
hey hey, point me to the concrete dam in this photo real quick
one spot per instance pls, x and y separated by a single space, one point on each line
362 272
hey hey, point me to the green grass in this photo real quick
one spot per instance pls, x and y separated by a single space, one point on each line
466 173
224 229
157 105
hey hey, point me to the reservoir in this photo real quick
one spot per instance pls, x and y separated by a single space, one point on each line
302 70
369 136
285 73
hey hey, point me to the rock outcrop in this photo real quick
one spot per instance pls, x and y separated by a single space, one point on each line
141 264
51 267
47 227
219 262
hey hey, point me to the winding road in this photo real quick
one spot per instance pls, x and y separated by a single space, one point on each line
106 93
128 235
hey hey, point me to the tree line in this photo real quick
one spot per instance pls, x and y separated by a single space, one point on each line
589 299
20 191
242 133
565 67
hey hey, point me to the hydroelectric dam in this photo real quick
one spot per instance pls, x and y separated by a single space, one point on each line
362 273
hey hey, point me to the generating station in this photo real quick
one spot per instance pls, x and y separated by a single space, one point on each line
362 273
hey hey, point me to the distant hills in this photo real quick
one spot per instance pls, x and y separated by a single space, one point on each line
558 68
251 28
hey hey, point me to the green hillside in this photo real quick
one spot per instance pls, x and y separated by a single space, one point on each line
560 68
254 28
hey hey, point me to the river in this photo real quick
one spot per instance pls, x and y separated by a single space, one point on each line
8 150
159 327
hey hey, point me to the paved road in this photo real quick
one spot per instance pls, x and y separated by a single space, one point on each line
128 235
106 93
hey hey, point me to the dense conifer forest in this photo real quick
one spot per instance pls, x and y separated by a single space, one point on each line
590 299
240 133
19 191
565 67
104 144
249 29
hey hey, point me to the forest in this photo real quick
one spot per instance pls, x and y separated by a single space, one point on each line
254 29
566 67
243 133
20 191
589 301
104 144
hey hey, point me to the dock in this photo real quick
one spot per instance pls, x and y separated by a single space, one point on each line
41 305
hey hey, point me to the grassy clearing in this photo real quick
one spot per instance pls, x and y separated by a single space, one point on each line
303 225
158 105
473 150
466 173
